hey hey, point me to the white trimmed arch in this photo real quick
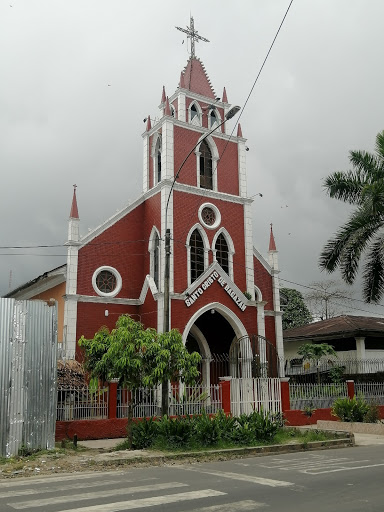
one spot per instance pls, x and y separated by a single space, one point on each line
206 248
215 158
231 248
155 235
157 145
197 119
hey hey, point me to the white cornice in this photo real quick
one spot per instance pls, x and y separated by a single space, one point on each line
102 300
211 194
262 260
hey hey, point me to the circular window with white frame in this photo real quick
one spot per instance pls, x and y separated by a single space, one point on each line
209 215
106 281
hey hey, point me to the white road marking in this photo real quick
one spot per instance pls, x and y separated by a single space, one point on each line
48 478
149 502
68 487
244 478
342 469
93 495
237 506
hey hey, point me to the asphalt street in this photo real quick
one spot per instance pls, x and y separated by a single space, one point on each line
349 479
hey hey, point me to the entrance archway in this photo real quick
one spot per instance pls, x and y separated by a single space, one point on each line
211 331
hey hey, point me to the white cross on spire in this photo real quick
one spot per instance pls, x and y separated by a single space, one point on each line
193 35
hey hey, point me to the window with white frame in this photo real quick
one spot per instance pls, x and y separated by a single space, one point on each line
206 180
154 250
213 119
157 161
222 253
194 115
106 281
197 255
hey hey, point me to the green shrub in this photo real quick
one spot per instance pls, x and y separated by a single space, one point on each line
206 429
144 433
350 409
175 432
373 414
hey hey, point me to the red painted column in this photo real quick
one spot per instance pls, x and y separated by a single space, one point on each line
285 402
112 401
351 388
225 384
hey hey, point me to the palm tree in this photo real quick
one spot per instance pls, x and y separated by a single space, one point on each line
363 233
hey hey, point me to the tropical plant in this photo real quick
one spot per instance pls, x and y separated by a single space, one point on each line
363 233
314 352
350 409
139 358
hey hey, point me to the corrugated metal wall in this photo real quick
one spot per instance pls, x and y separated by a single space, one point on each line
28 374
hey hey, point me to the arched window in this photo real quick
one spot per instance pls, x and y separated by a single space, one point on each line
205 166
197 255
213 119
173 113
156 259
157 161
194 112
222 253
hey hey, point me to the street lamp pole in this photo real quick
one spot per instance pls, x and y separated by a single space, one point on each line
166 324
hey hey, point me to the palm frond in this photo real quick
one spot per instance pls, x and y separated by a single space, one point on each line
346 247
379 146
366 163
345 186
373 276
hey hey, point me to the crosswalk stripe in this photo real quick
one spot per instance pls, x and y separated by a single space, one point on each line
243 478
48 478
59 488
237 506
93 495
150 502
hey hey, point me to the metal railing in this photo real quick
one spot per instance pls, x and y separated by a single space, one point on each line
74 403
373 392
318 396
262 395
183 400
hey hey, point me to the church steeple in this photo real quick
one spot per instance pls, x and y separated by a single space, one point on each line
74 220
272 244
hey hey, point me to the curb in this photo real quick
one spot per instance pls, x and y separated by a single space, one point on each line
230 453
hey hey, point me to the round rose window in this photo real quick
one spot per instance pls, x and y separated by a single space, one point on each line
208 216
106 281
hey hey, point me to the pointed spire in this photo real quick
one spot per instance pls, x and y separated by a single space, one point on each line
272 245
74 211
224 98
167 110
163 96
149 124
182 82
239 132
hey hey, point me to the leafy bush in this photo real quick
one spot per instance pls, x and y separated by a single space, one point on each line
144 433
350 409
206 429
373 414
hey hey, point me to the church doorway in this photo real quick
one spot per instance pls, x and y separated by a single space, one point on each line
211 332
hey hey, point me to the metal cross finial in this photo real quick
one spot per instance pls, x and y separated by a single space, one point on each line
75 186
193 35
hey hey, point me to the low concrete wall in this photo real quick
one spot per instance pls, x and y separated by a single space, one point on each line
356 428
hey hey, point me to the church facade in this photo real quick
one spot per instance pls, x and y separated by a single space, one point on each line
221 290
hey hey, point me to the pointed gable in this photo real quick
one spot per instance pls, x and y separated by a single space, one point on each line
196 79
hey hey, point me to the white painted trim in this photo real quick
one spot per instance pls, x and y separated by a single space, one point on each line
231 248
102 300
151 250
206 249
155 141
211 194
258 294
145 162
248 246
218 118
217 222
198 119
227 313
119 281
262 260
149 284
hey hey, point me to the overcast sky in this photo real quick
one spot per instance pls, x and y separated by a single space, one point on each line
79 76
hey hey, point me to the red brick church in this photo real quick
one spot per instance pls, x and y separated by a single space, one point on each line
222 292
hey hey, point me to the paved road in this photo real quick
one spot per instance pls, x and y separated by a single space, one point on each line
349 479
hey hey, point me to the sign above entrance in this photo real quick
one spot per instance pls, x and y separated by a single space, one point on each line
214 277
